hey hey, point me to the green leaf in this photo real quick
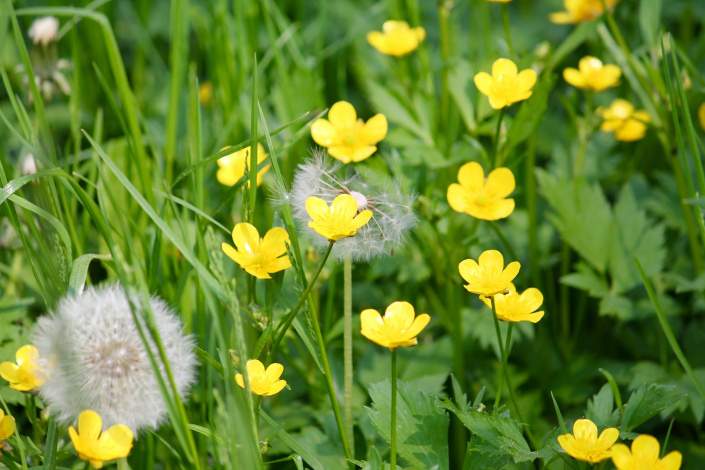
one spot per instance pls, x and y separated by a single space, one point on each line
397 112
587 279
306 448
582 216
476 459
600 408
646 402
459 78
650 20
422 435
79 272
499 434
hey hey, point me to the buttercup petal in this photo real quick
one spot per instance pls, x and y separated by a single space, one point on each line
503 69
491 258
498 210
316 208
27 353
511 271
532 298
584 429
471 176
255 368
610 76
483 82
275 388
361 219
457 197
608 437
468 269
345 205
324 134
620 455
89 425
7 427
376 39
116 442
631 130
526 79
646 447
274 243
240 380
361 153
532 317
418 325
10 372
399 316
672 461
561 17
341 152
374 130
274 371
342 115
246 237
642 116
500 183
498 101
575 78
279 264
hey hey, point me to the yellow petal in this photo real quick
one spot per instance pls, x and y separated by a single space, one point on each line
246 237
255 368
646 447
361 219
345 205
457 197
89 425
631 130
531 317
342 152
26 353
418 325
620 455
342 115
511 271
274 243
532 298
115 443
324 134
495 211
240 380
483 82
611 125
274 371
561 17
585 430
575 78
399 316
672 461
377 40
472 177
498 101
503 69
567 442
361 153
468 269
7 427
374 130
316 208
500 183
701 115
261 154
275 388
642 116
227 177
10 372
491 259
609 77
525 80
608 437
279 264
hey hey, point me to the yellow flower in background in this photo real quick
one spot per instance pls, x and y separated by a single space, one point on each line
259 256
205 93
7 427
584 444
479 197
396 38
23 376
348 138
514 307
97 447
488 276
701 115
232 167
263 382
397 328
505 86
339 220
592 75
627 123
578 11
644 455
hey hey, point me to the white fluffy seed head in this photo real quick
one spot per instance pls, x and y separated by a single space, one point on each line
44 30
392 212
94 358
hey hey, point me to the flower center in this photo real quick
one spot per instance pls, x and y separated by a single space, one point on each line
115 358
482 200
257 259
350 139
361 200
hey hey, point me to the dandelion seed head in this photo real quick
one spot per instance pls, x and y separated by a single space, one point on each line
392 212
93 358
44 30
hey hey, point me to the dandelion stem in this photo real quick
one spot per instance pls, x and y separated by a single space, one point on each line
502 353
507 31
348 351
393 433
495 151
286 323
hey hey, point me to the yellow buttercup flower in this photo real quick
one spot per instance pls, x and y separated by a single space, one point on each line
479 197
488 276
701 115
232 167
7 426
397 328
348 138
263 382
578 11
205 93
259 256
396 38
644 455
592 75
505 86
627 124
97 447
584 444
338 220
514 307
23 376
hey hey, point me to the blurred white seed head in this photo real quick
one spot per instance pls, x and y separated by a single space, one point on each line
94 358
44 30
392 213
29 166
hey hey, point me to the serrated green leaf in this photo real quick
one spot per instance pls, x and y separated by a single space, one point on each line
582 216
646 402
500 435
422 434
620 307
475 459
586 279
600 408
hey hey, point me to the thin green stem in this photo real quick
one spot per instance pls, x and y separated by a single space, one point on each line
122 464
444 27
507 31
286 323
348 350
584 134
393 433
502 353
495 150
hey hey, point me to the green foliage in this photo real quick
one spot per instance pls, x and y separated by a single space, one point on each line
646 402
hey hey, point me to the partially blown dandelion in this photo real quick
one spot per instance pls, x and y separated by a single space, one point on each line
392 213
94 359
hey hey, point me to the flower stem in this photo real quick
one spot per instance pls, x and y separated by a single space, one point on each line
495 151
444 27
348 351
507 31
393 437
502 353
122 464
286 323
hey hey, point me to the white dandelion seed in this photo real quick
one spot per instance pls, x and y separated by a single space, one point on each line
44 30
392 212
94 358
